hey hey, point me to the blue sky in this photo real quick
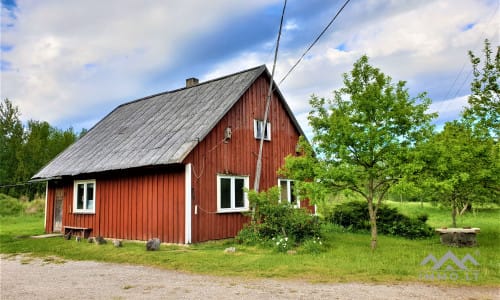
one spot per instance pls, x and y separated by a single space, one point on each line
71 62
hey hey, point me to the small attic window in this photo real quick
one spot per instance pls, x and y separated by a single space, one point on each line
259 129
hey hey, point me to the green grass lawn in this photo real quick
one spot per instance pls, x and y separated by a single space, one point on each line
347 256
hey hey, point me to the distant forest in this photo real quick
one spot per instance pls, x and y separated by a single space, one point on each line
26 148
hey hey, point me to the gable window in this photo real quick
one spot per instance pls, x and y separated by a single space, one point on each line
259 129
231 196
287 192
84 197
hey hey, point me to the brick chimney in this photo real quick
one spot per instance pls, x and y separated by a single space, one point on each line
191 82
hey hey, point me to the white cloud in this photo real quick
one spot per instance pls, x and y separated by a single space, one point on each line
448 110
70 56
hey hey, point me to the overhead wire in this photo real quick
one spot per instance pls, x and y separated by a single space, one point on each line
258 168
482 37
315 41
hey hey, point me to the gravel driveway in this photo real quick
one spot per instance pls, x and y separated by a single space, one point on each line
24 277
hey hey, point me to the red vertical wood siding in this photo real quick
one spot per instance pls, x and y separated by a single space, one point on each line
143 205
129 206
239 157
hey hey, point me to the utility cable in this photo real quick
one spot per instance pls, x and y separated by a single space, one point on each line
258 169
315 41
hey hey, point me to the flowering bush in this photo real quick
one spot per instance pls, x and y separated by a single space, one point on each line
282 244
313 246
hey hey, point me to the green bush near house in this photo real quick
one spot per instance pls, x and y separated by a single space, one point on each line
354 216
272 219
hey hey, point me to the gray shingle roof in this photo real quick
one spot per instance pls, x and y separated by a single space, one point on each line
157 130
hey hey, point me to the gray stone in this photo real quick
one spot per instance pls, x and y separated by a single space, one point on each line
117 243
100 240
230 250
153 244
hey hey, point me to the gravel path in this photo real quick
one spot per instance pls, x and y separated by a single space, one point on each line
24 277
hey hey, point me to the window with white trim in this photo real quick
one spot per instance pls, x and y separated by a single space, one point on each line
287 192
231 196
259 129
84 196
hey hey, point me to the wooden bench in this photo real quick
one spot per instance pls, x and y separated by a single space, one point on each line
80 231
458 236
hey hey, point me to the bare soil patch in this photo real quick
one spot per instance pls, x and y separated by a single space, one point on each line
24 277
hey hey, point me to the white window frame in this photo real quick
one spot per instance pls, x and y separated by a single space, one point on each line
289 192
233 207
257 133
85 209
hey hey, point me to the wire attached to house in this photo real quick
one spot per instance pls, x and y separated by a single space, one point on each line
258 169
314 42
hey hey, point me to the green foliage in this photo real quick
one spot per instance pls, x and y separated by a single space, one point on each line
364 138
11 138
10 206
272 219
313 246
25 150
282 243
355 217
483 112
461 167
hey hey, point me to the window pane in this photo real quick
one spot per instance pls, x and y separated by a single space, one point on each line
225 193
293 197
80 190
284 190
90 196
259 129
239 198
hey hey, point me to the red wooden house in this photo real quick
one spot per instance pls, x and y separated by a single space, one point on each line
173 165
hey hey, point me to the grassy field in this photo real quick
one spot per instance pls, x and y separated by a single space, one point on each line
347 256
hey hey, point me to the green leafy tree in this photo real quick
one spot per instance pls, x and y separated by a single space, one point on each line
462 168
23 151
483 112
11 139
42 142
363 139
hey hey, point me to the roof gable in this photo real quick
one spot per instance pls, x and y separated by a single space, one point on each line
160 129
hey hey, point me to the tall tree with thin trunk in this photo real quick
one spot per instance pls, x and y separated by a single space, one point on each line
11 140
483 112
363 138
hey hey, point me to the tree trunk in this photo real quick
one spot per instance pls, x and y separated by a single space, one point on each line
373 224
464 209
454 213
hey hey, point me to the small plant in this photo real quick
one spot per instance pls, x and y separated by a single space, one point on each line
282 244
313 246
248 235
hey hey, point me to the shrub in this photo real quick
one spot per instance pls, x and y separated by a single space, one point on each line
313 246
354 216
10 206
248 235
272 219
282 243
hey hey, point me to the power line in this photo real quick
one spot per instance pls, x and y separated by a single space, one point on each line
481 38
314 42
258 169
